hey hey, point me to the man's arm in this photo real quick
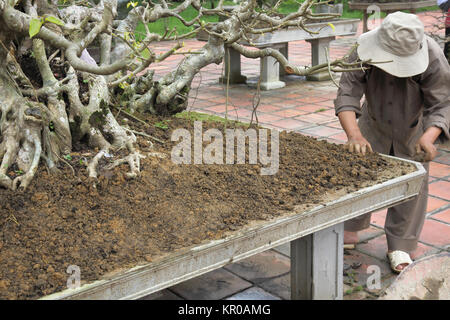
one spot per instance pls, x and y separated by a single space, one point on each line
435 86
426 143
348 107
356 141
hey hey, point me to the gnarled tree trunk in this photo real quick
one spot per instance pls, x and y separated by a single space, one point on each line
53 94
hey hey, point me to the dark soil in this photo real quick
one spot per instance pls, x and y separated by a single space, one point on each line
63 220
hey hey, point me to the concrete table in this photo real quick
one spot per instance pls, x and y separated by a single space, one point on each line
316 237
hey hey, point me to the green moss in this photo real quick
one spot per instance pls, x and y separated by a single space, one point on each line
197 116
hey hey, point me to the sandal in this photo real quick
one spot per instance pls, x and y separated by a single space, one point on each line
351 241
397 258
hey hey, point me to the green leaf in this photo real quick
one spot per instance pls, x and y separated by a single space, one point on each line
35 27
54 20
146 54
161 125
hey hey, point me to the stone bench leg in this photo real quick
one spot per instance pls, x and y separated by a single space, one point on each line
318 56
270 70
284 49
317 265
234 67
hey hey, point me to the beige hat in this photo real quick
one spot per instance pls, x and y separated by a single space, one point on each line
399 39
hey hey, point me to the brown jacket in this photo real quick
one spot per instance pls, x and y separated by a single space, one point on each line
397 111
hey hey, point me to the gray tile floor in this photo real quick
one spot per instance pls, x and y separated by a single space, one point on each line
264 276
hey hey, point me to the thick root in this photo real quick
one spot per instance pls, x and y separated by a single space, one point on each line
157 154
24 180
20 157
5 181
133 160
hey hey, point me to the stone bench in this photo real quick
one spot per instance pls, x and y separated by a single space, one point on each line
279 40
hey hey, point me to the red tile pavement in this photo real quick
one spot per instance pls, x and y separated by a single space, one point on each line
265 117
439 170
444 157
443 216
200 103
369 233
290 124
314 118
378 218
269 108
311 99
221 108
327 103
309 108
320 131
287 104
334 124
328 113
340 136
440 189
435 204
289 113
240 113
435 233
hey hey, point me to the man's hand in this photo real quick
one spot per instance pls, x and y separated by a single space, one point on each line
358 144
426 143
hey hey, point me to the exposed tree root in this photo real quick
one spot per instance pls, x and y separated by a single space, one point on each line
65 98
133 160
30 130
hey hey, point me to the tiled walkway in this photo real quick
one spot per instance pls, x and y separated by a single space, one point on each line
305 107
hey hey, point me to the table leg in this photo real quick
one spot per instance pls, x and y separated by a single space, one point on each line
318 56
232 65
317 265
285 52
270 72
365 19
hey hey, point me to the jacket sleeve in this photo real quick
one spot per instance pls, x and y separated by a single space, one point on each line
435 87
351 89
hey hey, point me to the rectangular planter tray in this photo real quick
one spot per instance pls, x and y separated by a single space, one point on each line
260 236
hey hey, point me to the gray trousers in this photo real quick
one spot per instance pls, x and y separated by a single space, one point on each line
404 222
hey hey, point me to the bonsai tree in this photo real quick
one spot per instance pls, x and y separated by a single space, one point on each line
53 93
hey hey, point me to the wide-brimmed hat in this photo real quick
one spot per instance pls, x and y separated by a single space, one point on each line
399 39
